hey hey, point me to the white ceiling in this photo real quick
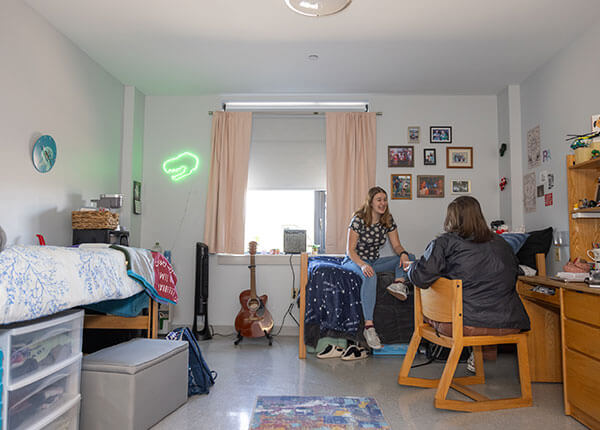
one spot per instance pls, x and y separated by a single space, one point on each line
191 47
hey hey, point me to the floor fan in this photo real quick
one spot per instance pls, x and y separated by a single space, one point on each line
201 293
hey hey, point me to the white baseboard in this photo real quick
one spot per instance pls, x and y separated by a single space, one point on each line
230 330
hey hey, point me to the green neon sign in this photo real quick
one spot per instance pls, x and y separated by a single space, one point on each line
181 166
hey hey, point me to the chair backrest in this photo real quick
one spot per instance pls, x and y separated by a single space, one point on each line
442 300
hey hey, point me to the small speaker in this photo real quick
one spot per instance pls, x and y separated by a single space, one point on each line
294 241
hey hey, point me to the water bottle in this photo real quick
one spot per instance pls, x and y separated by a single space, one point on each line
157 248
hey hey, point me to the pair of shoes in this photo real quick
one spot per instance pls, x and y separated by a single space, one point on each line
399 290
471 363
355 352
372 339
331 351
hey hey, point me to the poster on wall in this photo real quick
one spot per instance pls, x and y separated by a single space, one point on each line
533 147
540 190
529 192
550 181
546 155
596 126
548 199
137 197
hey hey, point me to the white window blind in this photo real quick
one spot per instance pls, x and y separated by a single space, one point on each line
287 152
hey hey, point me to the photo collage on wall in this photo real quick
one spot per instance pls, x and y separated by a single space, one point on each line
427 185
538 184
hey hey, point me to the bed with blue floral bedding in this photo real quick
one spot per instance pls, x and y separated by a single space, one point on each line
36 281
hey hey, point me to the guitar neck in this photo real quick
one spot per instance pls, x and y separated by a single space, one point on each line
252 277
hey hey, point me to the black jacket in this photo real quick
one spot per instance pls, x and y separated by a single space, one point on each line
488 272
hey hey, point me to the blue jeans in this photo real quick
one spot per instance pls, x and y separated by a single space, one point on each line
368 289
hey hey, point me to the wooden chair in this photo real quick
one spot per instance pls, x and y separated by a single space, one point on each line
443 302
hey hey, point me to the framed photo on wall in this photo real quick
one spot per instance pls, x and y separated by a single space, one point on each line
460 186
414 134
459 157
440 134
430 186
401 186
429 158
401 156
137 197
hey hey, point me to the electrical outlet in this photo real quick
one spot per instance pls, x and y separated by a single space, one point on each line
557 253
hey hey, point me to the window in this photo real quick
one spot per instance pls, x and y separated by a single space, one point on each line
269 212
286 176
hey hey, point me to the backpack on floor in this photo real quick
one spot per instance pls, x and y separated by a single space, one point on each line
200 377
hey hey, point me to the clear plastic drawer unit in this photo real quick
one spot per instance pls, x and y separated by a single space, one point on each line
40 365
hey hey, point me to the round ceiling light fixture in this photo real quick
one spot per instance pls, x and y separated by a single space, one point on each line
317 7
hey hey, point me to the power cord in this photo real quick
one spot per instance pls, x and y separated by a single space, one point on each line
287 312
212 332
291 306
294 291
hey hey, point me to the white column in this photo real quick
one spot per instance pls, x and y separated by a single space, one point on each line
516 155
126 184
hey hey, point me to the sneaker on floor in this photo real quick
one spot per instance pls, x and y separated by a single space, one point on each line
471 363
355 352
372 338
331 351
399 290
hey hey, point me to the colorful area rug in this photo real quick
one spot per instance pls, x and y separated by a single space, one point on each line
317 413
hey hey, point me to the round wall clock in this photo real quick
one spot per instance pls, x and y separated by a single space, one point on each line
44 154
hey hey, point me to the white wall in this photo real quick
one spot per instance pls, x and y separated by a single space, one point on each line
51 87
560 96
174 212
474 124
504 162
132 151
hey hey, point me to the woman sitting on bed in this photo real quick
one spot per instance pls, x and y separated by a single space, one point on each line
367 233
484 262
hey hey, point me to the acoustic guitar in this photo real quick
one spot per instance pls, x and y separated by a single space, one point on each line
253 319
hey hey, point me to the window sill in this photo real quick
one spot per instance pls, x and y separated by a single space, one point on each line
261 259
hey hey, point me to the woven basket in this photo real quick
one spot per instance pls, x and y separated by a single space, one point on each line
94 220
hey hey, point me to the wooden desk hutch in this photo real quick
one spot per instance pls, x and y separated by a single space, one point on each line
564 343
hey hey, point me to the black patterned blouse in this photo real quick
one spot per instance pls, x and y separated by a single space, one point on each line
370 238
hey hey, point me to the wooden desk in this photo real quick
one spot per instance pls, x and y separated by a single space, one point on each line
545 357
564 343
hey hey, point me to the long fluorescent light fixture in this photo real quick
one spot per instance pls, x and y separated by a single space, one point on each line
296 106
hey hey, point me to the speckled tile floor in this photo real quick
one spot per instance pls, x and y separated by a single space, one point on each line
253 368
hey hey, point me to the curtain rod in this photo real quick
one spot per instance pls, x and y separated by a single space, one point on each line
210 112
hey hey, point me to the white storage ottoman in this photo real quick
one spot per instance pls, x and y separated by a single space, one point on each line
133 385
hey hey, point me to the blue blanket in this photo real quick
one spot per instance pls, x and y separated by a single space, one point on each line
332 297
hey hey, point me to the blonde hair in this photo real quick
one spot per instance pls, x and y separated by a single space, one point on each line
465 218
365 211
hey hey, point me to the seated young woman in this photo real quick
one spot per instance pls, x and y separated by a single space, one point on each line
487 266
369 229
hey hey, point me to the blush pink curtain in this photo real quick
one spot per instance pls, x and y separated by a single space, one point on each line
225 206
351 158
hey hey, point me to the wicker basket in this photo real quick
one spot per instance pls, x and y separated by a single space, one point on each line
94 220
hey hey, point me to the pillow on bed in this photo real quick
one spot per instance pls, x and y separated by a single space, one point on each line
538 242
515 240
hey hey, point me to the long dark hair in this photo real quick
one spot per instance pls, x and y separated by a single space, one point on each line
365 210
464 217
